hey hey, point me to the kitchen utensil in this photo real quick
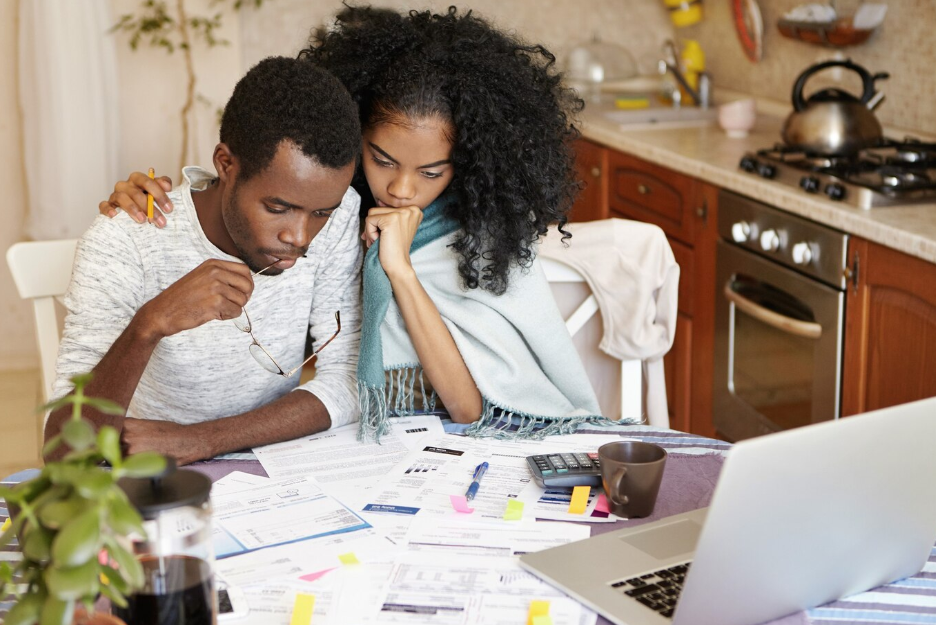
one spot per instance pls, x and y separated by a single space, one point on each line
590 65
833 122
750 28
176 552
738 117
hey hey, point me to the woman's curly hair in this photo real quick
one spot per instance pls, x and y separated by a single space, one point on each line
512 117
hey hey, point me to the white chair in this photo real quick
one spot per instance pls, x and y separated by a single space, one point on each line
41 271
632 387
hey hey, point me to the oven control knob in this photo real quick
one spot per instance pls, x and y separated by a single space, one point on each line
748 164
835 191
802 253
809 184
766 170
770 240
740 231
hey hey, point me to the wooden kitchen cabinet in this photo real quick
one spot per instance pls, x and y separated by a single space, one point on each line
591 166
890 329
685 208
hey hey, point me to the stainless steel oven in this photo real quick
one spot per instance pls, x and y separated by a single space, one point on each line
778 319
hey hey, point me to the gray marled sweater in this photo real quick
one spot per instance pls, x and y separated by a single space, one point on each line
208 373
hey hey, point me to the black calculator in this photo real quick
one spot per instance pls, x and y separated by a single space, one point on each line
578 469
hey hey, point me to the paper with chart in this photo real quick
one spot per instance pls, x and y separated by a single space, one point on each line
454 538
341 463
277 512
471 590
423 481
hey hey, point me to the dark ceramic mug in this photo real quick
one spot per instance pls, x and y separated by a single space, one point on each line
631 472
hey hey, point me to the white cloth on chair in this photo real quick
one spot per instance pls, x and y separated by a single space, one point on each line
630 268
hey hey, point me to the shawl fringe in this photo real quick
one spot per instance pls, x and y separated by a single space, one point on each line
397 398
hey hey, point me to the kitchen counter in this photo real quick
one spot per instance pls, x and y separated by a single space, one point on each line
709 154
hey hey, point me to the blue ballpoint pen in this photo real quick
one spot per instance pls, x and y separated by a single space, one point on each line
476 481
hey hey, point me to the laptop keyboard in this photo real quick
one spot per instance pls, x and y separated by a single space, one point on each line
658 591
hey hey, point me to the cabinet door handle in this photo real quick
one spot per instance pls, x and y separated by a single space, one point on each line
596 172
643 189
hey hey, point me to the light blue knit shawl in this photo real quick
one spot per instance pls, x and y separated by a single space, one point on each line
515 345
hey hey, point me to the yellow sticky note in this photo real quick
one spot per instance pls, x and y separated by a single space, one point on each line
302 609
348 558
538 609
579 499
514 511
542 620
6 526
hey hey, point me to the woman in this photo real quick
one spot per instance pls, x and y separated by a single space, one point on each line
466 162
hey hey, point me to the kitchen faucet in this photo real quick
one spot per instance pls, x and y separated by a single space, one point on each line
702 97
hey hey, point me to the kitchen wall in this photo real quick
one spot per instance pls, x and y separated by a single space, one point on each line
905 46
639 25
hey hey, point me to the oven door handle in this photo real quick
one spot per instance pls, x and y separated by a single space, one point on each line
797 327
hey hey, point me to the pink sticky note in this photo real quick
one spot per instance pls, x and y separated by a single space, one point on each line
602 504
460 504
311 577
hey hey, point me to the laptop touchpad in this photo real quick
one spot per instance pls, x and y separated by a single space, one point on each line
666 541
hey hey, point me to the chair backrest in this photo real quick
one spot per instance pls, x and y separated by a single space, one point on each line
631 370
41 271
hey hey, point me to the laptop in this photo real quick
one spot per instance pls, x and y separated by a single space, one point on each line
797 519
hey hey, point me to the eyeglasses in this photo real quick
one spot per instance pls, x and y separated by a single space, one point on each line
262 356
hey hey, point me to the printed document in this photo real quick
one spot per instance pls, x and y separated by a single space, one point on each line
277 512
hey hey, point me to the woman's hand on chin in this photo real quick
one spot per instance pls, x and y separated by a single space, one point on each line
396 228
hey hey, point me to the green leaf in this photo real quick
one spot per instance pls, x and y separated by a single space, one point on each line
55 405
93 483
78 434
55 514
123 517
37 545
144 464
26 611
57 612
108 440
51 445
115 596
73 583
128 566
105 405
115 579
78 541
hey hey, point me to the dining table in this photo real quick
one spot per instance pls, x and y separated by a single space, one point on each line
689 479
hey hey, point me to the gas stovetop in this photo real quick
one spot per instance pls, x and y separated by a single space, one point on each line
895 172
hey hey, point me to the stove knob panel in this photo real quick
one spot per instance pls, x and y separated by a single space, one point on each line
835 191
740 231
748 164
770 240
766 170
802 253
809 184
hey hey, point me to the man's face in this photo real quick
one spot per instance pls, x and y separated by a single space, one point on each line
273 216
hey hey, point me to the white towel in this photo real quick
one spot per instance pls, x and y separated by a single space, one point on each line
630 268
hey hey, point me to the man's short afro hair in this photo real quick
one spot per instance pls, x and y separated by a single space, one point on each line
282 98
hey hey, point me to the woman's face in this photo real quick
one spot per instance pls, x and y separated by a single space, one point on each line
408 164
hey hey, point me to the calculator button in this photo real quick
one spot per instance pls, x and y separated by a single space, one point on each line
547 471
539 458
558 470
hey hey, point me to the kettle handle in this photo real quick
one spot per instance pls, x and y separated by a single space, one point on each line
867 81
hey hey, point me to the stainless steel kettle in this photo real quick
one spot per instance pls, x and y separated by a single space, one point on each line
833 122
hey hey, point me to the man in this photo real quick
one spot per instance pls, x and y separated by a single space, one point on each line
157 313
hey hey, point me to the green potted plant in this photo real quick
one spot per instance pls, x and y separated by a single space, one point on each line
73 522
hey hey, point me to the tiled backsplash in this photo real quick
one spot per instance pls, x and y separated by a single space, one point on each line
904 46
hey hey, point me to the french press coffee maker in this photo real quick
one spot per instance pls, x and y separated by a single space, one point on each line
176 552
